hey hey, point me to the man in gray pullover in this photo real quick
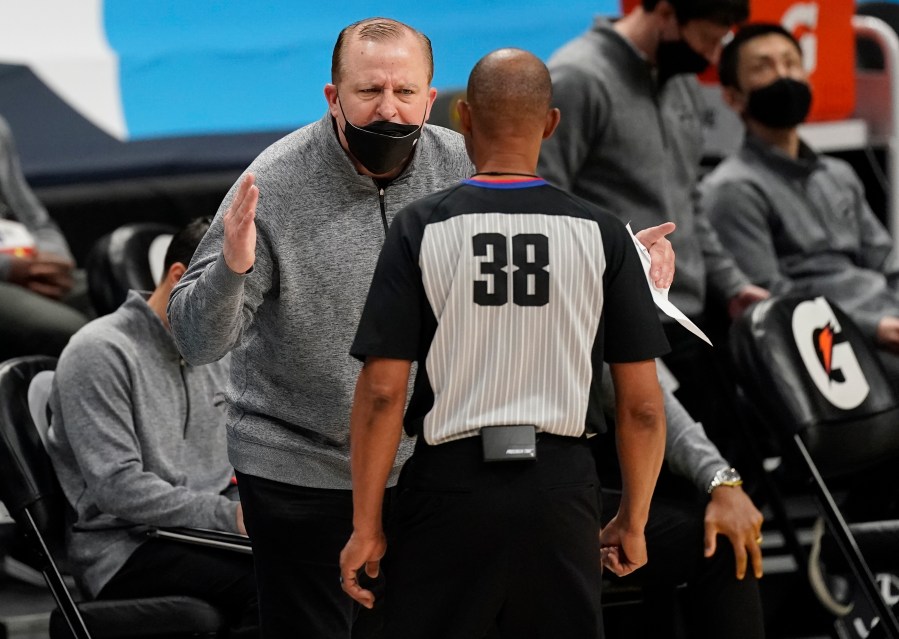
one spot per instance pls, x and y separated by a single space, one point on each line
137 439
279 281
797 221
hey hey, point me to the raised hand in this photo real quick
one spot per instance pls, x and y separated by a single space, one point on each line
240 227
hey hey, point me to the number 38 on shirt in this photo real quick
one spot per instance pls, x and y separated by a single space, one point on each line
530 279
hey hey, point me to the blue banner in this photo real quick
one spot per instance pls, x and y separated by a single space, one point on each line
208 66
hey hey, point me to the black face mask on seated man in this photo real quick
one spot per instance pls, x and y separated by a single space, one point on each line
381 146
674 57
783 104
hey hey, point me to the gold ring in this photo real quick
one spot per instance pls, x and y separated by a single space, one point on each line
758 540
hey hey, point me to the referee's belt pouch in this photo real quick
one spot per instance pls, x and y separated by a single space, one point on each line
509 443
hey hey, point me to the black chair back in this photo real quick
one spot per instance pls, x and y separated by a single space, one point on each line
27 479
119 261
810 371
814 378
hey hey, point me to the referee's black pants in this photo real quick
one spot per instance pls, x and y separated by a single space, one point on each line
508 545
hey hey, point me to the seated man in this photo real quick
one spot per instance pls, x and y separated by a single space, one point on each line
796 221
686 541
36 290
137 438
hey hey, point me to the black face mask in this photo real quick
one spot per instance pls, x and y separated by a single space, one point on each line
676 57
783 104
381 146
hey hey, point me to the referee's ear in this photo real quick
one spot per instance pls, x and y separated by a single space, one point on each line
463 109
553 116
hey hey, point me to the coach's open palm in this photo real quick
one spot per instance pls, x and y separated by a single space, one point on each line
240 227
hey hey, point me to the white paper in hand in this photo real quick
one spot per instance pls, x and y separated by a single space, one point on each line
660 295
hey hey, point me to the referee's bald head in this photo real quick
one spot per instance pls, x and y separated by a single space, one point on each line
509 89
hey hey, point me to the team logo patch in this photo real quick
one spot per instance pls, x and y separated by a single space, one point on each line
828 356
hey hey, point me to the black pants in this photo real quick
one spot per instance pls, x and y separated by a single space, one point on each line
719 606
511 545
31 324
297 535
161 568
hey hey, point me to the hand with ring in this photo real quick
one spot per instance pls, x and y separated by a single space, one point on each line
731 513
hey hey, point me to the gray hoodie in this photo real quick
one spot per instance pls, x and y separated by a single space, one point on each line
634 148
136 438
289 322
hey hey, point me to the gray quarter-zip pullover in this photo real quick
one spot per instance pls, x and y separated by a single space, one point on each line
290 321
634 148
803 226
137 439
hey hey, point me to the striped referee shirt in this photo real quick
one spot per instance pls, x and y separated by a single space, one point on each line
511 294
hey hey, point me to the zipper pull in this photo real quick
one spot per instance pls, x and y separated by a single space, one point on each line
383 208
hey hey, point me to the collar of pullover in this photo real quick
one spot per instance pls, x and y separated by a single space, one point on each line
136 305
606 29
779 162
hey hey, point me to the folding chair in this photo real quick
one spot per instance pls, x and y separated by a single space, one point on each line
29 488
810 374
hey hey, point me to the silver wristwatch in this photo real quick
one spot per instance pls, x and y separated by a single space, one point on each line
725 477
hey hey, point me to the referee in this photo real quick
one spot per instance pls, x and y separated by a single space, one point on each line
509 293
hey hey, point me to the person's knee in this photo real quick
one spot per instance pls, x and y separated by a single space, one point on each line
33 324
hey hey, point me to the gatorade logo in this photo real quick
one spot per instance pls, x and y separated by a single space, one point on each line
801 19
828 357
824 346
